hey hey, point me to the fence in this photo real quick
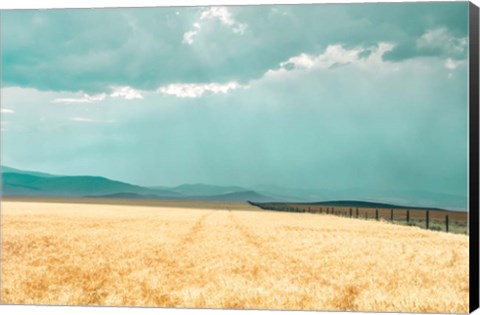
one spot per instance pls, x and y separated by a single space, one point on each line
438 220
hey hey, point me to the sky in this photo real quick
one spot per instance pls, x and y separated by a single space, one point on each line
327 96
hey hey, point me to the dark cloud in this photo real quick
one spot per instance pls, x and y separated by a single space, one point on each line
92 49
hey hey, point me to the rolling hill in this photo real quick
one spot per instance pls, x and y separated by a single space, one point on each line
26 183
29 183
205 189
6 169
248 195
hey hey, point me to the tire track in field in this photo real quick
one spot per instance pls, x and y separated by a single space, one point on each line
189 238
175 266
304 272
192 235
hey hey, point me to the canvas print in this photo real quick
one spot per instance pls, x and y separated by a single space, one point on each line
282 157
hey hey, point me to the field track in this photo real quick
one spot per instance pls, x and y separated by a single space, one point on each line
210 256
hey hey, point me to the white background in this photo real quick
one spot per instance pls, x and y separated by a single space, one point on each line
54 310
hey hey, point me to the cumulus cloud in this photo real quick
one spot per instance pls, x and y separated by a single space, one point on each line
126 92
332 56
440 39
190 35
451 64
85 98
7 111
101 59
224 15
194 90
215 13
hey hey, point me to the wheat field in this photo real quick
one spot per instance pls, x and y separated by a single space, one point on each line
216 257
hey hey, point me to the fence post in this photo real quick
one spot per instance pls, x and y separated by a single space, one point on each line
357 213
366 214
391 215
408 216
376 214
446 223
350 212
427 218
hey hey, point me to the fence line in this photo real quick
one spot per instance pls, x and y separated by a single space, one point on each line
344 212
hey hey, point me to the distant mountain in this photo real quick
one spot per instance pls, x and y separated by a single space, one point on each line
6 169
236 196
406 198
24 184
364 204
248 195
205 190
291 194
28 183
127 196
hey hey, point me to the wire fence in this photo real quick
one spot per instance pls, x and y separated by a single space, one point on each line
437 220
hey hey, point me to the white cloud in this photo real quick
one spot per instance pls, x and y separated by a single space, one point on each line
194 90
332 56
224 15
125 92
215 13
440 38
85 98
451 64
7 111
89 120
189 36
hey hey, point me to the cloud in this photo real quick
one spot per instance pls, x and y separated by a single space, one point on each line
224 15
452 64
126 92
333 55
89 120
440 39
188 36
194 90
215 13
85 98
144 58
7 111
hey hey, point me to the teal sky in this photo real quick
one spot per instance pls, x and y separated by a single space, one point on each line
309 96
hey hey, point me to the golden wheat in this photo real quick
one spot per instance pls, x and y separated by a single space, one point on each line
70 254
